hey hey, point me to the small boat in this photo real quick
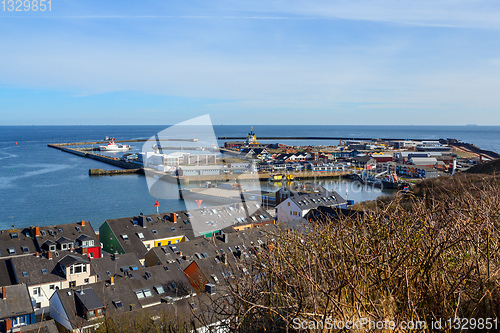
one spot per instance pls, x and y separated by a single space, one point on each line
112 146
280 177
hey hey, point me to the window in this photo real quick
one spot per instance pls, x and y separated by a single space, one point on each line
99 312
86 281
147 292
25 274
154 231
51 287
72 284
288 204
91 255
118 304
91 242
139 294
14 235
91 314
52 248
25 249
36 291
38 305
159 289
44 271
177 241
159 244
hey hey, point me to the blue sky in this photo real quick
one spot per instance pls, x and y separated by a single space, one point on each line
252 62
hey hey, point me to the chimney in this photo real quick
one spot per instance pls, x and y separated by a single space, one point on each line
37 231
82 223
4 293
142 221
112 280
225 238
173 217
49 255
37 254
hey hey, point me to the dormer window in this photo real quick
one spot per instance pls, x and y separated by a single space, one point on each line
91 242
77 269
14 235
52 248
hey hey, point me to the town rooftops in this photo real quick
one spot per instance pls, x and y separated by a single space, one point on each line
313 200
15 301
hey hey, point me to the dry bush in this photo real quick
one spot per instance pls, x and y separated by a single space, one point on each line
422 257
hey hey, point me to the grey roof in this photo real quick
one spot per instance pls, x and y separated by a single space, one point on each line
88 298
84 237
17 303
64 240
313 200
18 240
108 266
47 326
6 273
70 259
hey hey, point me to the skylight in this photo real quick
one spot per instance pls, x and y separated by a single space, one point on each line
25 273
147 292
139 294
44 271
125 237
159 289
118 303
140 235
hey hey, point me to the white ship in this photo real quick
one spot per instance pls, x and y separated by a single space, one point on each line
112 146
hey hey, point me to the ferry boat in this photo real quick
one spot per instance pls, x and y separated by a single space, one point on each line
112 146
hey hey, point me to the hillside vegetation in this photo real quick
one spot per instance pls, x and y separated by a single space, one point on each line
427 256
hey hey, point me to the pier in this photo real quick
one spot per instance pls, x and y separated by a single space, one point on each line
101 172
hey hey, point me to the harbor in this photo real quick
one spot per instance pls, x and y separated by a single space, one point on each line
379 161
